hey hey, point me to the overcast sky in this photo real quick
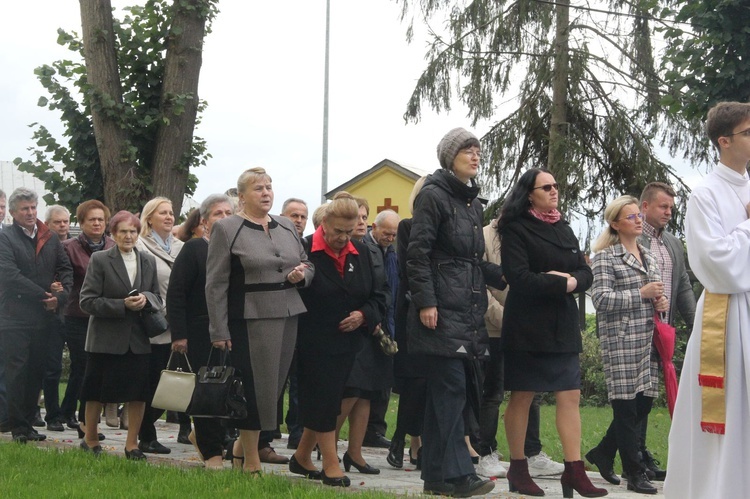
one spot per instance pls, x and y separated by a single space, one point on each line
262 77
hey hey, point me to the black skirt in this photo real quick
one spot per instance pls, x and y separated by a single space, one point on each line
542 371
116 377
321 380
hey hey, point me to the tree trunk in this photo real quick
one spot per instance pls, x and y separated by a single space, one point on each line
556 157
179 100
118 172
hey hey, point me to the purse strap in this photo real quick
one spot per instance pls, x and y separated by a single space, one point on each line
223 356
169 362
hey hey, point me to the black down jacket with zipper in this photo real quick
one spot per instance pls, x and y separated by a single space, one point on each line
445 269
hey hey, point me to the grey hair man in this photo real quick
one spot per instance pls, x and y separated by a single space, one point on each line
57 219
380 240
37 278
296 210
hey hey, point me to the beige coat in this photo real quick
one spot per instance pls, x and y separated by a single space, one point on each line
493 318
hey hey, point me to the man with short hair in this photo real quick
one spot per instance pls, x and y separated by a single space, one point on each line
382 236
657 203
32 261
57 219
296 210
3 402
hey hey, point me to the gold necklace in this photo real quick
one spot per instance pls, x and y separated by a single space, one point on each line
247 217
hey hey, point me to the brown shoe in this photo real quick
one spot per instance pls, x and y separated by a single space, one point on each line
268 455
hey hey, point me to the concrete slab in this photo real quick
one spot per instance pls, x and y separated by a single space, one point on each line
405 481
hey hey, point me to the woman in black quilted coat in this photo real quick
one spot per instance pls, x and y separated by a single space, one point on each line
447 283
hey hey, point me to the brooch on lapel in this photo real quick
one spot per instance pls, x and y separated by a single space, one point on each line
351 267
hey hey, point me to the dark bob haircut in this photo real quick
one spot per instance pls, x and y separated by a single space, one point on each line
124 216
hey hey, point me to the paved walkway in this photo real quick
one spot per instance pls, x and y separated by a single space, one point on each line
405 481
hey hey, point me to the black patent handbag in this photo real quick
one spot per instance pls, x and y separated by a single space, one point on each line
218 391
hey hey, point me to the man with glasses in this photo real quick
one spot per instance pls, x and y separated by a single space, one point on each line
657 203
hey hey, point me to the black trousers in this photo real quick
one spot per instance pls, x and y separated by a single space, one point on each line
24 350
623 434
292 416
378 409
75 336
444 452
411 405
53 372
532 446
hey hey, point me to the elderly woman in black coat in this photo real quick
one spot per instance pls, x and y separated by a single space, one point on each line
344 306
447 283
187 312
544 267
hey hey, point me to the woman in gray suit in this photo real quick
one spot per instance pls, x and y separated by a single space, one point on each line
627 291
120 282
255 265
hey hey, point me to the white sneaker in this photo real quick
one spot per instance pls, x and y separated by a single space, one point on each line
489 466
542 465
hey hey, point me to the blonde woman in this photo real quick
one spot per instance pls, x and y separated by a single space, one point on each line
156 239
627 291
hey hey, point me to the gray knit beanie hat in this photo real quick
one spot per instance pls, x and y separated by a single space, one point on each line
454 141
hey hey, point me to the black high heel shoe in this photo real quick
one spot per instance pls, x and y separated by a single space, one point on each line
317 450
238 462
341 481
297 468
82 434
366 468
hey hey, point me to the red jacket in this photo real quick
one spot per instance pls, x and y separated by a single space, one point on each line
79 253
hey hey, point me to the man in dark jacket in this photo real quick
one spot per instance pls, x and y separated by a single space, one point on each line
657 203
37 277
447 283
380 240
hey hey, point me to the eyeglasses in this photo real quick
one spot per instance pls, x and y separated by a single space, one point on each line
547 187
633 216
745 132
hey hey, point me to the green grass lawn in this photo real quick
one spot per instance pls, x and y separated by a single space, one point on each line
29 471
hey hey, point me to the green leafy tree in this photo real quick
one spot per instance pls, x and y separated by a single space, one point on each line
582 82
128 103
705 63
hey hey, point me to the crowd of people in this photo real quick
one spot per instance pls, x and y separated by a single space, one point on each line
476 310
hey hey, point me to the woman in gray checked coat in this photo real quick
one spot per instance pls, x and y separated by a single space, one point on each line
627 291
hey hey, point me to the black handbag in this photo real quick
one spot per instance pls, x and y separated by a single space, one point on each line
154 322
218 391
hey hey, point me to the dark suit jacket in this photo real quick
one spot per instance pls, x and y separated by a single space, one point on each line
330 298
683 296
28 267
112 327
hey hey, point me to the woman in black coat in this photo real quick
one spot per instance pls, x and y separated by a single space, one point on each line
446 321
343 306
188 317
544 267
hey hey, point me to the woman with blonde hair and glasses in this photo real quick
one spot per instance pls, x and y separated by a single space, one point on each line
156 239
627 291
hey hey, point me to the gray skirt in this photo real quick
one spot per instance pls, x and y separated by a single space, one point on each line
262 351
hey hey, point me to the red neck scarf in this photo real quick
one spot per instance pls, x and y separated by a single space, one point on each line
550 217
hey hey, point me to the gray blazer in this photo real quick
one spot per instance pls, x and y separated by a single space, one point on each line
246 272
683 297
113 328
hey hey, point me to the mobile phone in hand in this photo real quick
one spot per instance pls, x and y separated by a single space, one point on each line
133 292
